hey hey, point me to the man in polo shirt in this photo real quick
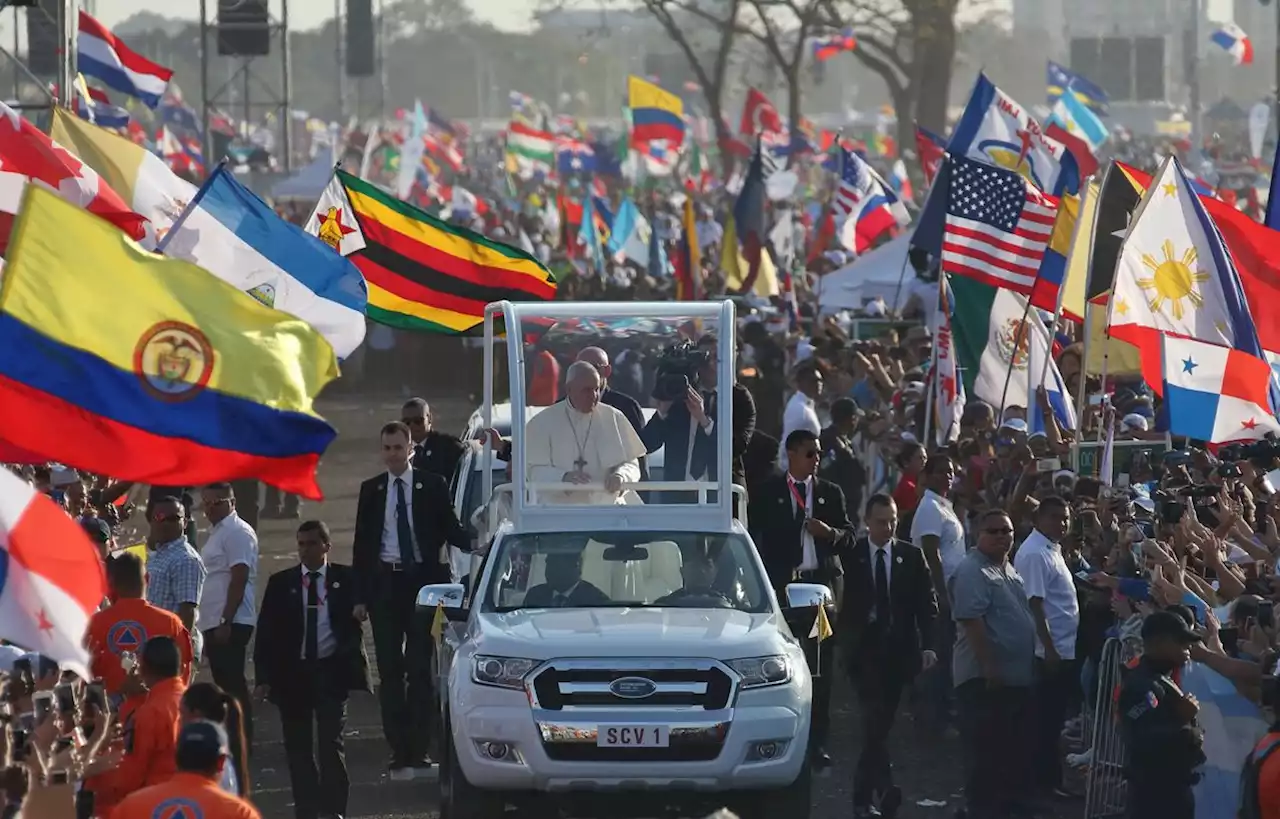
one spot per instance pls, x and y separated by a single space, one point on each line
227 607
175 573
1051 593
992 666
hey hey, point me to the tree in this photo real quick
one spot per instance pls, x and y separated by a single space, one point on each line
911 45
783 29
410 16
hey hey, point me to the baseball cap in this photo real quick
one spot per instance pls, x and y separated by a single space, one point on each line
201 744
1168 624
96 528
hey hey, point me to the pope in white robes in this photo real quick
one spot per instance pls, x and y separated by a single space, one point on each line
582 441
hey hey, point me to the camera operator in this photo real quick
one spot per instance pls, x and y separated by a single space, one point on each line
686 394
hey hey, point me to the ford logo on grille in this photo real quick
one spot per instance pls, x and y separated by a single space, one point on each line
633 688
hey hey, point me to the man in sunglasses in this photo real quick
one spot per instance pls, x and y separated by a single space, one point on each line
993 666
433 451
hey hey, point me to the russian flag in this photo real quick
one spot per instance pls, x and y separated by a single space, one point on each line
51 578
824 48
103 56
1235 42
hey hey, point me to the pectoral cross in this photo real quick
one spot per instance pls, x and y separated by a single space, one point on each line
580 465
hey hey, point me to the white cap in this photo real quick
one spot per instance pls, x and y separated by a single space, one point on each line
1134 421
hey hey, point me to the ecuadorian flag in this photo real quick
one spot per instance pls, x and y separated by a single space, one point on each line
656 114
147 368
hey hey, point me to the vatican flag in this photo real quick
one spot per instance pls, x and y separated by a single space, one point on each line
1174 275
438 622
821 626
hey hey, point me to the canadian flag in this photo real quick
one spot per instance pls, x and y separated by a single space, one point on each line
27 154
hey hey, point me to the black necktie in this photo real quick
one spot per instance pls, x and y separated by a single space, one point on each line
883 611
404 533
801 511
313 617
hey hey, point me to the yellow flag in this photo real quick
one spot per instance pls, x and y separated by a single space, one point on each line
437 623
735 267
1121 357
821 626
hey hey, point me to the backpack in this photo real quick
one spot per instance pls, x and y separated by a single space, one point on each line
1250 803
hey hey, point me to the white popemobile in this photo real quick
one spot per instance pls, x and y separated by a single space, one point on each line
679 687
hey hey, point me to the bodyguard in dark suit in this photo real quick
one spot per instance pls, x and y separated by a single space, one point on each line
404 519
309 655
799 525
433 451
885 635
685 429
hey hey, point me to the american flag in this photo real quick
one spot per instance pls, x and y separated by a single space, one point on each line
858 182
997 225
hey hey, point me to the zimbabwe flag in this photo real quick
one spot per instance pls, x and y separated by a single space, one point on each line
425 274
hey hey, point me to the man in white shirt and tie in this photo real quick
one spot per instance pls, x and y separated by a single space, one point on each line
309 655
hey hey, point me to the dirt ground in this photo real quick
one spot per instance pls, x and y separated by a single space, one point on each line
926 767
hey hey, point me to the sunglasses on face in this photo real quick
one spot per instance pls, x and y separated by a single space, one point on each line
1001 531
414 421
810 453
162 517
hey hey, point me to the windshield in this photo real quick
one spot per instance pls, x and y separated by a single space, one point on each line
626 569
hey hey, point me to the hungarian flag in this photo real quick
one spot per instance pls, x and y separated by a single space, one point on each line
27 154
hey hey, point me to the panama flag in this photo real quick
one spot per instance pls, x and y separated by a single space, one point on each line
51 578
1235 42
105 57
1216 394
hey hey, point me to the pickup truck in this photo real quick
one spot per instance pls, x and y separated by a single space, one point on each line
621 673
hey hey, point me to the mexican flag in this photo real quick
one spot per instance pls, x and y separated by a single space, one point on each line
990 331
531 147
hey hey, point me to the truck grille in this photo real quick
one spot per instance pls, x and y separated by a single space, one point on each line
698 684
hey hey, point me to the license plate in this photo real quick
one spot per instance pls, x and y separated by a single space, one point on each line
633 736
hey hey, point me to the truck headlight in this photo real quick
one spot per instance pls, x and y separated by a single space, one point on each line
758 672
500 672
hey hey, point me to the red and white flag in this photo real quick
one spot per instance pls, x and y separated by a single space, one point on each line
27 154
51 578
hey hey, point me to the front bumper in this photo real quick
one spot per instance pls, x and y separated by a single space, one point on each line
709 751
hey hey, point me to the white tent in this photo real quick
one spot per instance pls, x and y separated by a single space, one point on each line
873 274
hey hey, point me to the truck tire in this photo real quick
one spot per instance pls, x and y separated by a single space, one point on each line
792 801
459 799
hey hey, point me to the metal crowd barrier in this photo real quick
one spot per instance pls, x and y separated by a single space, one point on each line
1105 789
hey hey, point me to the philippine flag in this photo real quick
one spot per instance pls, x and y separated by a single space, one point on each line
103 56
51 578
1235 42
1216 394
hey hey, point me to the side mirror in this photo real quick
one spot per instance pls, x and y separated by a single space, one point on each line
451 595
805 595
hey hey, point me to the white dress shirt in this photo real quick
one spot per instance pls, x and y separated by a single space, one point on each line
390 534
875 551
809 562
231 543
799 414
1045 575
326 643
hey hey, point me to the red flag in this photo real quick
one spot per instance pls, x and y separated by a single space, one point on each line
759 115
931 150
1087 162
27 154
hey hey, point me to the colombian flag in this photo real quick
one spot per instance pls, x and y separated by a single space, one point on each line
655 114
151 369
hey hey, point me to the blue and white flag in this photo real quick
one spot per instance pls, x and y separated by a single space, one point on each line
996 130
1076 119
1042 370
237 237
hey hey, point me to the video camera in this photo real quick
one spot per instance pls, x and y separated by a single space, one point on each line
1261 453
679 368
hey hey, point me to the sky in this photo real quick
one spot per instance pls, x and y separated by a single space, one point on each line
512 15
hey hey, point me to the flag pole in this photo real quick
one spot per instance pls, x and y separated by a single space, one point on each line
191 206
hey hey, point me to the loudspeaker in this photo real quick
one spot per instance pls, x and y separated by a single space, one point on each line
244 28
361 48
42 38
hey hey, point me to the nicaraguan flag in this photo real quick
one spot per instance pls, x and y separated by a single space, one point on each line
237 237
1059 78
1076 119
1214 393
103 56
